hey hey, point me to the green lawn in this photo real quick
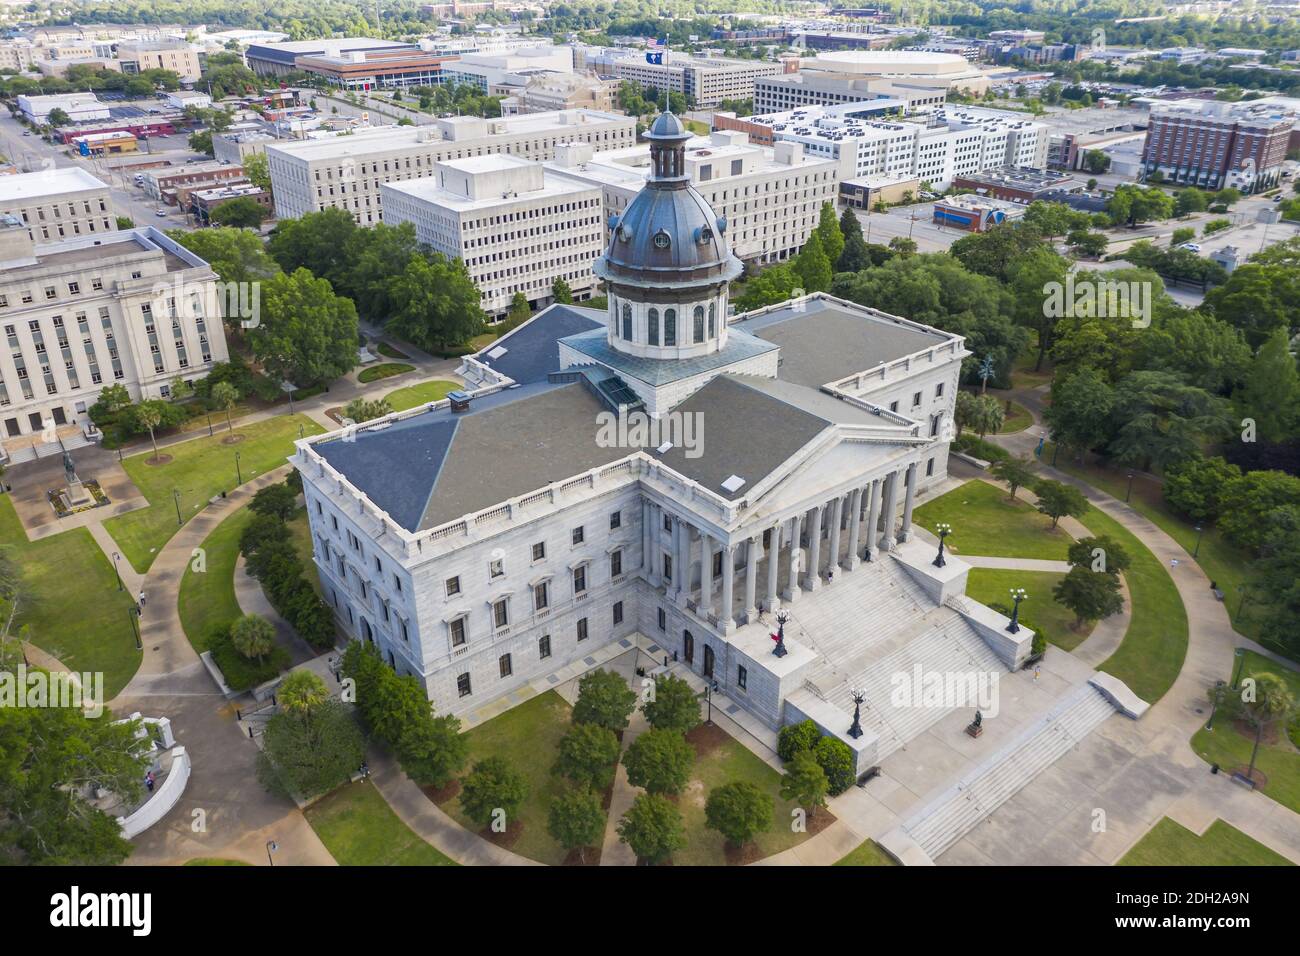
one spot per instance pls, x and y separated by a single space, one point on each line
208 597
389 351
72 608
1017 420
1152 652
374 373
527 737
729 762
1230 748
984 522
868 854
214 861
1041 610
1223 563
359 829
425 392
1171 844
200 469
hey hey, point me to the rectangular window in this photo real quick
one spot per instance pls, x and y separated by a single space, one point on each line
618 612
668 569
663 620
458 632
453 586
579 579
540 602
916 399
496 568
929 468
582 629
938 390
615 520
577 535
500 613
503 662
539 551
742 678
544 646
616 564
462 685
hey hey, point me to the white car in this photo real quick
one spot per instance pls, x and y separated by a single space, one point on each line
1190 247
161 212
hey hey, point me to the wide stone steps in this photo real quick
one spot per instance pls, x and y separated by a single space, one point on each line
954 812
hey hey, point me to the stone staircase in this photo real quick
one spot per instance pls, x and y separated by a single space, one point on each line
948 816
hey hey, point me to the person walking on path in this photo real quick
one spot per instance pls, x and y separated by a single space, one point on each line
141 601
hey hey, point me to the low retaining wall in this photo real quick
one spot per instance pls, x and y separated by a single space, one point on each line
164 798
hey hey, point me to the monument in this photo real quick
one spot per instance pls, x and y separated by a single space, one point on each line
74 494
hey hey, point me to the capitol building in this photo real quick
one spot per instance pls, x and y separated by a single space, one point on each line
499 541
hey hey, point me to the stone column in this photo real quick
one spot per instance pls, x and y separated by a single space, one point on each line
791 592
706 572
774 566
647 547
873 520
752 547
905 534
656 545
683 561
725 618
855 523
673 585
814 579
837 511
891 511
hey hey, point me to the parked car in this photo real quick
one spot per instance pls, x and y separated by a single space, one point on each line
1190 247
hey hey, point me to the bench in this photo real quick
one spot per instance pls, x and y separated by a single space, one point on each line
1218 593
872 773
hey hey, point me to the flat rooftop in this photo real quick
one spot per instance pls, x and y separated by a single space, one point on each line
28 187
427 189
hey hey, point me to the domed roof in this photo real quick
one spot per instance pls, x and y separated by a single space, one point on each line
667 125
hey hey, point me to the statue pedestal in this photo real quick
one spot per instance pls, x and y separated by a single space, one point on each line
974 730
76 494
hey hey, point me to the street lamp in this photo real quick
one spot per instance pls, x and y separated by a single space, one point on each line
710 687
1240 655
209 414
943 530
271 847
856 730
1017 595
239 473
1214 703
176 499
1199 532
116 557
1129 494
133 613
781 617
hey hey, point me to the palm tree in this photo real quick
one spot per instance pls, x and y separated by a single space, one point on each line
149 415
301 693
1264 702
226 396
253 636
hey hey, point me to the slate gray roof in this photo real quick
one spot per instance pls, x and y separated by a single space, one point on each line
827 343
743 431
740 346
531 352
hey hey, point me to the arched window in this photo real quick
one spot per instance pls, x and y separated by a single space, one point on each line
699 323
654 326
713 319
627 321
670 327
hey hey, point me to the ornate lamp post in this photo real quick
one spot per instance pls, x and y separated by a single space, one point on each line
943 530
1200 530
176 500
1017 595
239 474
856 730
1129 493
781 617
116 573
133 613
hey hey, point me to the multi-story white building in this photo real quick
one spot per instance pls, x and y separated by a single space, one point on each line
954 141
771 198
80 107
347 170
503 542
130 307
56 204
490 70
517 225
705 81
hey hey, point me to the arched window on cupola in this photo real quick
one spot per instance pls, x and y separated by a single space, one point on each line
713 319
670 327
653 322
699 323
627 322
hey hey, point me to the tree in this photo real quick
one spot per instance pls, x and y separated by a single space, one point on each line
793 738
312 748
257 170
854 255
49 756
307 334
605 699
318 242
660 761
244 212
1016 472
236 255
432 750
1099 553
560 291
588 755
201 142
739 811
1258 299
1270 395
437 304
576 821
520 311
836 760
903 246
1058 500
114 397
58 118
1181 235
1095 161
376 259
1193 486
1262 700
1132 205
1031 278
492 790
774 284
225 396
805 782
1159 420
812 266
1053 219
1246 505
278 501
674 705
986 415
149 414
253 636
1091 595
1079 414
1190 200
366 409
301 693
964 411
653 828
828 231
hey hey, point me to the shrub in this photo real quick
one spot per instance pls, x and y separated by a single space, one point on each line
836 760
240 672
795 737
739 811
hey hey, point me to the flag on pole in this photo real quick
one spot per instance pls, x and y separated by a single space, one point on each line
655 50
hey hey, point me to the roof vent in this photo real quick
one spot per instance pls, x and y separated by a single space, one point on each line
665 448
733 484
